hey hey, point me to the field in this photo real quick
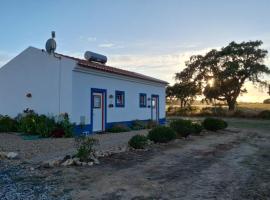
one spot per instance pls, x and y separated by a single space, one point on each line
242 109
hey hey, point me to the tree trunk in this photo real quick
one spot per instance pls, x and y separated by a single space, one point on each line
231 104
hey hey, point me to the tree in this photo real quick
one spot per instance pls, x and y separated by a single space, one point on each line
229 68
184 91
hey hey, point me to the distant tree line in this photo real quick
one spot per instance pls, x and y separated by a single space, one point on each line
221 74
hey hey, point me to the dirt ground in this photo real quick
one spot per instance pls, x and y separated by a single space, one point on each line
231 164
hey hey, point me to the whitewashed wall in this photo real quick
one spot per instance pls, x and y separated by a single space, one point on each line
84 80
47 78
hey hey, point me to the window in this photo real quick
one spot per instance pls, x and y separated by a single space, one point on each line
97 101
143 100
119 99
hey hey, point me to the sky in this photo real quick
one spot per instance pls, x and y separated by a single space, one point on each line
153 37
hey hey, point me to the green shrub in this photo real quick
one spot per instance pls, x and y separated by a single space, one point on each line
32 123
28 123
197 128
7 124
118 128
265 114
214 124
151 124
64 124
182 127
85 147
138 125
161 134
138 142
45 125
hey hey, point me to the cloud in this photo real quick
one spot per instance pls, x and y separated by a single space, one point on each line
91 39
106 45
162 66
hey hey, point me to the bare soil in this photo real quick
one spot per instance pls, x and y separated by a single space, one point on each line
229 164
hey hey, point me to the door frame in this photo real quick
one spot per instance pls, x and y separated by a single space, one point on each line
104 107
157 106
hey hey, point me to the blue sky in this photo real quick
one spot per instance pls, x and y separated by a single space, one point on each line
153 37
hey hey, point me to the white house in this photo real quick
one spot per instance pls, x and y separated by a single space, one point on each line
91 93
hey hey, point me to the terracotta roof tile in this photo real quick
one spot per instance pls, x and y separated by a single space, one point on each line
113 70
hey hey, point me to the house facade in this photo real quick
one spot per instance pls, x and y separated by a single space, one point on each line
93 94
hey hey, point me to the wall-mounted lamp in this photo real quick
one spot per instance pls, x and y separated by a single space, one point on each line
28 95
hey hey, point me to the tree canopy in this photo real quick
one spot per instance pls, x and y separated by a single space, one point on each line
229 68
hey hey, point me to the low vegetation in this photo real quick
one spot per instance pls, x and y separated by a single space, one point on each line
7 124
214 124
161 134
118 128
85 148
138 142
265 114
30 122
138 125
182 127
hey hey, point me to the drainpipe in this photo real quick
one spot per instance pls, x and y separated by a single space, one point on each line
59 82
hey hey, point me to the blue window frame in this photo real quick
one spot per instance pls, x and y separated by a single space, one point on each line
142 100
119 98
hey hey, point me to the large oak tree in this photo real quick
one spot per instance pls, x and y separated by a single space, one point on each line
229 69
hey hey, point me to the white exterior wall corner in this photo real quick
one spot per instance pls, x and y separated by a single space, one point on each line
85 79
35 71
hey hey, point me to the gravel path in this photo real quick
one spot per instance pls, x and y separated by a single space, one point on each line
38 150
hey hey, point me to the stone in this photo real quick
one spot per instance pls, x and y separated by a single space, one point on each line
78 163
84 163
90 163
66 158
51 163
94 159
3 155
68 162
12 155
32 168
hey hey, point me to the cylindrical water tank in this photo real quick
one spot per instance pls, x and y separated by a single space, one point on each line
91 56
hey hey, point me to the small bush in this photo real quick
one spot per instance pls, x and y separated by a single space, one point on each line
151 124
45 126
182 127
118 128
64 124
28 123
161 134
138 125
138 142
265 114
7 124
85 148
214 124
197 128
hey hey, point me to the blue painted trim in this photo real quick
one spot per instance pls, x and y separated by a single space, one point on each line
87 129
157 96
129 123
117 92
142 94
83 129
104 92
